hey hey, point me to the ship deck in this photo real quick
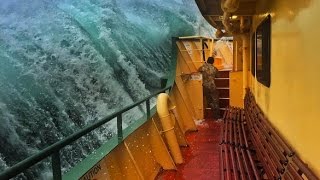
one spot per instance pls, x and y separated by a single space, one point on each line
201 157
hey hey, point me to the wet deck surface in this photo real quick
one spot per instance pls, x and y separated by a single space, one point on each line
201 157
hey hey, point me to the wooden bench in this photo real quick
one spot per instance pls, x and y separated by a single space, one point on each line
252 149
237 160
277 158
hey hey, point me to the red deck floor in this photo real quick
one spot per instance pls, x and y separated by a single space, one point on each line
201 157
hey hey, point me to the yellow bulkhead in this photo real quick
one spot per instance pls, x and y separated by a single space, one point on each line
292 101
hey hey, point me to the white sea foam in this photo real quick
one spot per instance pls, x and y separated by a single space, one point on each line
65 64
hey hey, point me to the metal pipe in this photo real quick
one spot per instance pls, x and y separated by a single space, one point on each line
226 22
148 108
56 166
163 106
242 25
230 6
245 58
119 128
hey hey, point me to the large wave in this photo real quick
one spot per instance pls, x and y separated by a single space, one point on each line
67 63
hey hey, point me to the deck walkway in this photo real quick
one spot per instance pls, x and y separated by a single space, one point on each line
201 157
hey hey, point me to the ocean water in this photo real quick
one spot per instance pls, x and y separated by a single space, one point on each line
65 64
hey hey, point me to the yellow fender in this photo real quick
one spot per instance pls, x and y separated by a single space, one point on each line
163 106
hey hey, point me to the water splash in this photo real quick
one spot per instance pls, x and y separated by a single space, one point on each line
67 63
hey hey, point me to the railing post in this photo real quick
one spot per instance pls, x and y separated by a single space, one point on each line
148 108
56 167
119 127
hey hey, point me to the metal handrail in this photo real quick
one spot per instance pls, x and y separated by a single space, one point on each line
54 149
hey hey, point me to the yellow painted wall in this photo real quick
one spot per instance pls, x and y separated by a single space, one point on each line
236 89
237 53
195 92
292 101
188 79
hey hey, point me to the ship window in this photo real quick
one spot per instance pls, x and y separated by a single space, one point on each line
263 44
253 54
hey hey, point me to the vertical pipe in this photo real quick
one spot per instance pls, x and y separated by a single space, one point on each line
242 25
211 46
148 108
56 167
245 55
119 128
163 105
202 50
235 55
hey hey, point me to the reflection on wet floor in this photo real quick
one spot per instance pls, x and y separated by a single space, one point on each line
201 157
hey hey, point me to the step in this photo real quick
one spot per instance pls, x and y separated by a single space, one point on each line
221 78
223 74
222 88
208 112
223 103
219 108
223 93
222 82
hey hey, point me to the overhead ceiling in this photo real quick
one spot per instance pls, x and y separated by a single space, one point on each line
212 12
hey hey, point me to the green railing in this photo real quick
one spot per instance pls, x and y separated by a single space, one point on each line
54 149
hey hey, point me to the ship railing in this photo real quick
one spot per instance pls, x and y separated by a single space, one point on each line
54 149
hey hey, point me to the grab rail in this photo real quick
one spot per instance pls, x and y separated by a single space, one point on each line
54 149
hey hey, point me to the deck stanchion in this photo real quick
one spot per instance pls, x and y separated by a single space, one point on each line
56 167
119 128
148 108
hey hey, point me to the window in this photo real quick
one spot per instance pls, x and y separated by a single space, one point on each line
253 54
263 54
